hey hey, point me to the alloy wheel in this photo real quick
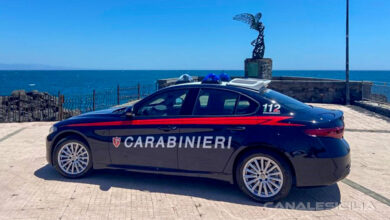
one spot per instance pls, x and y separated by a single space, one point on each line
262 177
73 158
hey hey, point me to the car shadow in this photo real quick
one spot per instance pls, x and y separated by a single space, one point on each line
315 199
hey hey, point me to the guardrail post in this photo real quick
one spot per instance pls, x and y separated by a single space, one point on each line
117 94
139 90
93 100
58 104
20 114
61 100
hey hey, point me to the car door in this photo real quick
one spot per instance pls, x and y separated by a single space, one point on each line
212 134
150 137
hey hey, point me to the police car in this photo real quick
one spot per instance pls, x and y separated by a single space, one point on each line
237 131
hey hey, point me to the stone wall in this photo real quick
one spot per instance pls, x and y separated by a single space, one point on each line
318 90
307 89
23 106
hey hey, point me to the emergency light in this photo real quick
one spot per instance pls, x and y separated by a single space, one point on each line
185 78
211 79
224 77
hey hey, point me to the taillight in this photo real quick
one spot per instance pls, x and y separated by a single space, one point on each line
337 132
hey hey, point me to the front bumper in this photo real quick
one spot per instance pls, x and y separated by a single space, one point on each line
49 142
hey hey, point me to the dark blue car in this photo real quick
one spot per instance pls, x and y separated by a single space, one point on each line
237 131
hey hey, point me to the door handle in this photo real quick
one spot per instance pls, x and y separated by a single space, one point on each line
238 128
168 128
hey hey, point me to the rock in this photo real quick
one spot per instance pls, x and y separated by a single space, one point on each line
31 106
18 93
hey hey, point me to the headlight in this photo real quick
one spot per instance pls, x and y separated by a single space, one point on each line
52 129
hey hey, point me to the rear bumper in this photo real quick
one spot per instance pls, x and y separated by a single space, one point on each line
322 171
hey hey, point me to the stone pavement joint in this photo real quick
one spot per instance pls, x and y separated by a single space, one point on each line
366 191
11 134
366 130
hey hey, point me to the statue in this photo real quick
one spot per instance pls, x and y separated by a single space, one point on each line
254 22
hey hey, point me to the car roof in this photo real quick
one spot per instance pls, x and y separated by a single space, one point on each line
232 85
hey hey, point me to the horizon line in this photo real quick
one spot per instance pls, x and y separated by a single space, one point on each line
187 70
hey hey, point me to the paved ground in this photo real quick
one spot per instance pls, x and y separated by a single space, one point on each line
30 189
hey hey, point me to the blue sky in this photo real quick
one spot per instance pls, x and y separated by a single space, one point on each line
191 34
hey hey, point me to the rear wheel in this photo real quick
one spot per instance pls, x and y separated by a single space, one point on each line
72 158
264 176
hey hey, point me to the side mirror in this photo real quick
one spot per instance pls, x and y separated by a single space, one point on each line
130 112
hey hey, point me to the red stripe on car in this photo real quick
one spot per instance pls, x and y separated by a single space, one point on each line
246 120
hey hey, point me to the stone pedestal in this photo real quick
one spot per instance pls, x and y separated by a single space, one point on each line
258 68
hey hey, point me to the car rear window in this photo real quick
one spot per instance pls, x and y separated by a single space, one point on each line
246 106
284 101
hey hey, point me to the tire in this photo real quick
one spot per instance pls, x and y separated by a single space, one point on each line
72 157
249 180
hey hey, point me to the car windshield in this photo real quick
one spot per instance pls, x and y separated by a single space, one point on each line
284 100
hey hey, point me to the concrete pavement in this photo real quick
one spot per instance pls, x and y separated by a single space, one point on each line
31 189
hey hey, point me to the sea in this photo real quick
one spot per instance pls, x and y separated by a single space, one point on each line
80 82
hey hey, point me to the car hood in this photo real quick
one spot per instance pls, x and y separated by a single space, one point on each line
95 116
103 113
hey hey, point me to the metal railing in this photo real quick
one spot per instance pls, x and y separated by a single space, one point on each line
79 104
378 92
36 106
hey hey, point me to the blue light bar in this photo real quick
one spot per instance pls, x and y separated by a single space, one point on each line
224 77
211 79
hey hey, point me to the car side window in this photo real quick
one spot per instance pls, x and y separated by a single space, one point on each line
165 104
215 102
246 106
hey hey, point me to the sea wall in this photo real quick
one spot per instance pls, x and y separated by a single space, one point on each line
318 90
306 89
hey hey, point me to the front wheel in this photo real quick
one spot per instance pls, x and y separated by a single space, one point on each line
72 158
264 176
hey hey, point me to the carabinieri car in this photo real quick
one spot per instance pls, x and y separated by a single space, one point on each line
238 131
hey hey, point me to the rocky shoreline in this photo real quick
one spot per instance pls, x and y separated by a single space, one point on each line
22 106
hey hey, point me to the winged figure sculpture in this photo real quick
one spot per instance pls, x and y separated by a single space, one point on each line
256 24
